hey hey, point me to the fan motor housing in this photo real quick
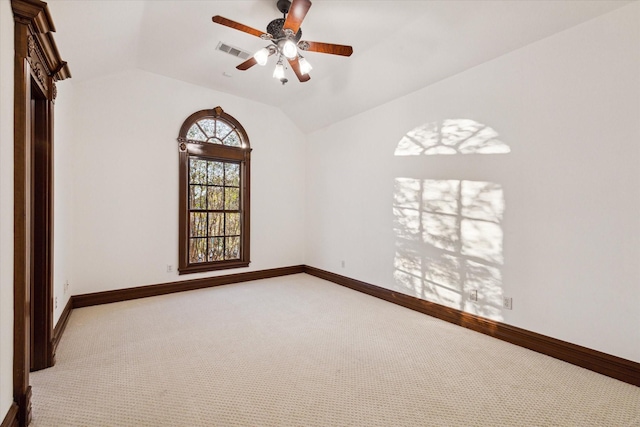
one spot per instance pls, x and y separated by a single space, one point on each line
275 29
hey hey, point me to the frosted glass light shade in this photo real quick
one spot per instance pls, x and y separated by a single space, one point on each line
305 67
261 56
278 73
289 49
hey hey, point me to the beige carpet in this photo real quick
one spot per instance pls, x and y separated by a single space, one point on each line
300 351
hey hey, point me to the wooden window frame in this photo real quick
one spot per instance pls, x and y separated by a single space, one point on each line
213 152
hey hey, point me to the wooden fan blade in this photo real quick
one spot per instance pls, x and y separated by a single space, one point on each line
295 66
247 64
236 25
297 11
252 61
333 49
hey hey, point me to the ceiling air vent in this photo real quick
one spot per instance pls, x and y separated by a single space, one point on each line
233 50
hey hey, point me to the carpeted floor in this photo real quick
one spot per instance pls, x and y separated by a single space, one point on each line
300 351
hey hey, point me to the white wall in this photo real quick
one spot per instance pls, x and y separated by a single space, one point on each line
63 202
125 180
558 225
6 207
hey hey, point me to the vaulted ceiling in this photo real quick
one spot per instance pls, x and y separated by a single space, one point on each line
399 46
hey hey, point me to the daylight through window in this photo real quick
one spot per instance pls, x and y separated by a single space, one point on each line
214 193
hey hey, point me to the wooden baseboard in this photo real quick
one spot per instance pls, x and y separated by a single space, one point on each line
19 414
606 364
118 295
11 419
60 327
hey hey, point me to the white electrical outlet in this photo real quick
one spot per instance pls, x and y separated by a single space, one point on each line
55 302
473 295
507 303
169 268
342 263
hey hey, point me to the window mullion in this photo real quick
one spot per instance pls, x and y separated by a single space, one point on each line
224 206
206 202
227 134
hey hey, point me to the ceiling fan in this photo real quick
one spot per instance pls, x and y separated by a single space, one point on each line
285 34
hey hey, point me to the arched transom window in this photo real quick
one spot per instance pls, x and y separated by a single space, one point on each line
214 130
214 192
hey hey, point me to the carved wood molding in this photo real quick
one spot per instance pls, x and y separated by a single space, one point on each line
38 64
42 52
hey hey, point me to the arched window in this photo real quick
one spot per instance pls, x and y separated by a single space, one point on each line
215 158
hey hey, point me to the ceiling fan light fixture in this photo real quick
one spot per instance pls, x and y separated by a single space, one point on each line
305 67
261 56
289 49
278 73
285 36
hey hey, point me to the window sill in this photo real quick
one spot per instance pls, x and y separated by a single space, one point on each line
200 268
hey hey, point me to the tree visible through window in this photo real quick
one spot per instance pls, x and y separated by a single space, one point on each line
214 192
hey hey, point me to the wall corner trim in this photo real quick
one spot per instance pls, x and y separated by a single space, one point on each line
602 363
